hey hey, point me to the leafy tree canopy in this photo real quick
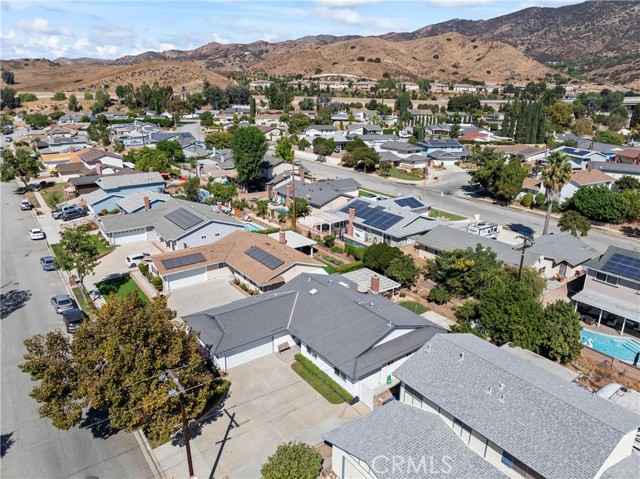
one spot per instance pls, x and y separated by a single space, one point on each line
561 332
610 138
172 149
574 223
78 253
21 165
379 257
465 102
219 139
293 460
249 146
147 158
599 203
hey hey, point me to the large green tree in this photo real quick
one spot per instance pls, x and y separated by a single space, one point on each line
302 208
172 149
323 146
293 460
403 269
147 158
78 253
37 120
18 165
509 183
116 361
222 192
9 99
177 107
465 102
215 96
559 116
379 257
561 332
574 223
219 139
364 157
556 174
72 105
490 165
192 188
298 123
249 146
599 203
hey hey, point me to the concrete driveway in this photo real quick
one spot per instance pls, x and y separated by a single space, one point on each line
210 294
114 262
268 404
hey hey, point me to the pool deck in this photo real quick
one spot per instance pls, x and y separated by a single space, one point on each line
629 331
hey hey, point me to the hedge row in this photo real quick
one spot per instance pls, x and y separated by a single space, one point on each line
318 379
347 268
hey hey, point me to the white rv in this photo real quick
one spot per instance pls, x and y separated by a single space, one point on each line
486 230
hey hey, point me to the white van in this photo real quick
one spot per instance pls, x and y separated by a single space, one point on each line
486 230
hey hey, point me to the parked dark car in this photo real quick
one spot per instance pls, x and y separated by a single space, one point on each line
73 319
73 214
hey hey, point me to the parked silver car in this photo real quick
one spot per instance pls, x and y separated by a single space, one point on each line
63 302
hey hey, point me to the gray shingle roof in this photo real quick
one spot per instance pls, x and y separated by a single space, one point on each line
136 200
435 143
112 182
401 147
556 428
623 168
564 247
628 468
336 321
598 262
320 128
156 218
322 192
401 430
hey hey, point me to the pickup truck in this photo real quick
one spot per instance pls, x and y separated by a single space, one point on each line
61 210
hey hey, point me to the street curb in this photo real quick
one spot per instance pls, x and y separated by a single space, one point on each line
150 457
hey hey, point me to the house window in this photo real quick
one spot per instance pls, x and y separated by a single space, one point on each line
340 374
542 270
312 352
507 459
606 278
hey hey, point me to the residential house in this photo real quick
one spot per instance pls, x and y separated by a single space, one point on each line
76 118
579 158
551 255
438 87
438 129
295 240
321 195
341 116
358 339
400 148
526 152
531 185
376 140
463 88
52 161
258 261
137 133
606 149
616 170
272 133
584 178
76 169
511 417
358 129
175 224
409 86
267 119
140 200
114 187
325 131
109 162
364 85
375 282
612 287
631 157
394 221
62 144
451 156
259 84
433 144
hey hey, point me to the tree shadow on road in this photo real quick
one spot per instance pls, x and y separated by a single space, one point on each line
6 442
195 426
519 228
630 231
96 420
12 301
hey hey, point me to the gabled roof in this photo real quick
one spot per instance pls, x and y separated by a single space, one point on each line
75 167
320 128
322 192
531 184
111 182
388 156
401 147
435 143
415 434
619 168
232 250
590 177
94 155
556 428
135 201
634 154
157 218
329 315
599 262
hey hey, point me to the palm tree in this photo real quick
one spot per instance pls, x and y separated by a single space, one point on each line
555 175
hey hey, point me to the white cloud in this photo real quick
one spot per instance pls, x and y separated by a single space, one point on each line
167 46
345 15
81 45
269 37
107 51
219 38
40 25
111 34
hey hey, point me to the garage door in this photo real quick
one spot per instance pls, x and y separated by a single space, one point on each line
130 236
259 351
186 278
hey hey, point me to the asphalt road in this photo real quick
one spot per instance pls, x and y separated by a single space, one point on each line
31 446
449 194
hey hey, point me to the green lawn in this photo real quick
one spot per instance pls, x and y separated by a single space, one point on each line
433 213
364 192
319 381
80 300
402 175
96 238
414 307
120 286
55 188
329 268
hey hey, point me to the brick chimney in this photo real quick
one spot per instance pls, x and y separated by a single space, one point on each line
352 216
147 203
219 206
301 175
375 283
98 168
283 237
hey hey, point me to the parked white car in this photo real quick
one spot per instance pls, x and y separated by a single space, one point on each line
135 259
36 234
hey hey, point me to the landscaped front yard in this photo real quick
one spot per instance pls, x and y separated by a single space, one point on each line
433 213
96 238
414 306
120 286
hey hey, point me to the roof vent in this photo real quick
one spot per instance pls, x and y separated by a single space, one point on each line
501 386
371 305
363 289
309 279
313 291
501 398
428 348
330 281
461 357
343 284
389 323
489 390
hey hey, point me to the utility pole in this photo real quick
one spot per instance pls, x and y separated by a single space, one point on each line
527 243
293 192
185 424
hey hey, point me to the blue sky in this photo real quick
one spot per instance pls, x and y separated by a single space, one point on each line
110 29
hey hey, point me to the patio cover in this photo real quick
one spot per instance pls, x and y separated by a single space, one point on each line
620 308
324 218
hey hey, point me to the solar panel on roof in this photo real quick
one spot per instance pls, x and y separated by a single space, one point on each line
185 260
623 265
263 257
410 202
183 218
383 221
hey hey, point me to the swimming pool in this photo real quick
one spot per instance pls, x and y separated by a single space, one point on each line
251 228
621 348
282 211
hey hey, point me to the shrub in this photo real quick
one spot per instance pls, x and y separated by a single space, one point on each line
333 260
329 240
435 57
439 295
336 249
293 459
357 252
316 371
402 295
540 200
360 59
144 268
527 200
157 282
104 212
347 268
